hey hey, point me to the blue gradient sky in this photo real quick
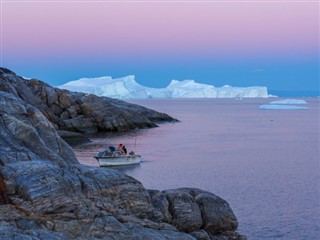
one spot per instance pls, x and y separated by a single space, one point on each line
239 43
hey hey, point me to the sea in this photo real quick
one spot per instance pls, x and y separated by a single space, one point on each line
264 163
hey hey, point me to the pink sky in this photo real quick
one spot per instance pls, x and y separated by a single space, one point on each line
159 28
214 42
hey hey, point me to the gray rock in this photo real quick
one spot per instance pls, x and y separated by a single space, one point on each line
216 213
27 134
200 235
86 113
73 138
46 194
161 203
185 211
52 97
154 234
194 209
23 231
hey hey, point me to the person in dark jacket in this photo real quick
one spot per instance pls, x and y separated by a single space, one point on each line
122 148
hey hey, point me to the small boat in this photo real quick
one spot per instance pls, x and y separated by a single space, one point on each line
112 156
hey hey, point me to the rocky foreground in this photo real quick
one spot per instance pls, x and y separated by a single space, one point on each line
46 194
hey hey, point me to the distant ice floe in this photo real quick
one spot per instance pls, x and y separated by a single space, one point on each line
127 87
289 101
281 107
285 105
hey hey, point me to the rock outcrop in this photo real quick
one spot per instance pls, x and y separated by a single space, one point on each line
46 194
79 112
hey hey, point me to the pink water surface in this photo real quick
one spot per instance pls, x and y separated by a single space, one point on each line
265 163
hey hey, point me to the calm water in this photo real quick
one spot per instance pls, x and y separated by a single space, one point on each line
265 163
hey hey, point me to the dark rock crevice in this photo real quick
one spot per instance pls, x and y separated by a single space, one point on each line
3 191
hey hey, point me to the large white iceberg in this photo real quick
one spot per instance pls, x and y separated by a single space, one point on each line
127 87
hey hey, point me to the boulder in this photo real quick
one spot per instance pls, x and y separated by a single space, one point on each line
216 213
161 203
194 210
185 211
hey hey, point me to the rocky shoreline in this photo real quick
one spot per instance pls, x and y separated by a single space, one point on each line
45 193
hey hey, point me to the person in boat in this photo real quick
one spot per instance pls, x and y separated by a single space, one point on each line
122 148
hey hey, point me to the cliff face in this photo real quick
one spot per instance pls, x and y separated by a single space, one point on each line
46 194
26 134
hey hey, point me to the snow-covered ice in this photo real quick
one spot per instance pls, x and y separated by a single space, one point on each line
281 107
127 87
289 101
285 104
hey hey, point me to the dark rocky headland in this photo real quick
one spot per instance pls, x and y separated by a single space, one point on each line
46 194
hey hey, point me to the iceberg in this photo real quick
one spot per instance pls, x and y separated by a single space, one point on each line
285 104
289 101
122 88
281 107
127 87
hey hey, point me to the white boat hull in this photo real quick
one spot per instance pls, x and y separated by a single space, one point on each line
118 160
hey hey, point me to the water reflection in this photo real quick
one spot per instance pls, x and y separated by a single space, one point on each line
264 163
126 168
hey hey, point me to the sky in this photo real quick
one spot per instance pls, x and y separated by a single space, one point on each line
239 43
